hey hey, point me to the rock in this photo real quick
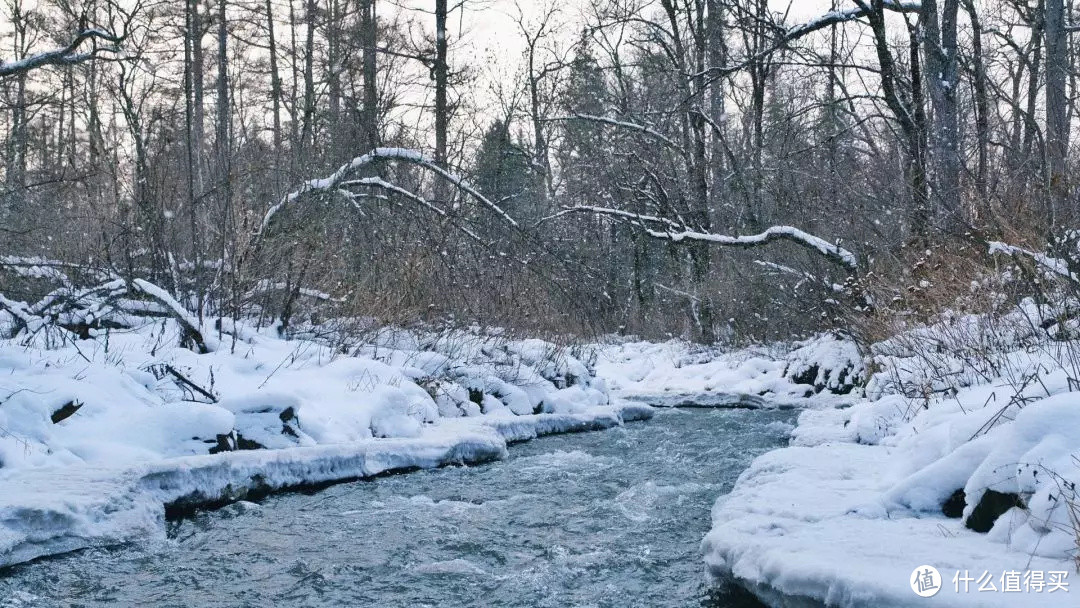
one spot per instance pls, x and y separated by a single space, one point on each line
954 504
66 411
235 441
243 443
225 443
992 505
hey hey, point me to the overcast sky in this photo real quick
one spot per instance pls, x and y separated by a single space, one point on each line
490 40
490 26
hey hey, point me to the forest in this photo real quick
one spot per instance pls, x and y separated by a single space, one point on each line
712 169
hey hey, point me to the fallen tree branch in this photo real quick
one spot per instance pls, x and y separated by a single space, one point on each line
186 320
1052 265
183 380
676 233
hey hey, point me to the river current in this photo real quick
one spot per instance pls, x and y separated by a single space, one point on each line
604 519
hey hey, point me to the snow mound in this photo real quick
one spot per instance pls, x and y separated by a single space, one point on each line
681 374
828 363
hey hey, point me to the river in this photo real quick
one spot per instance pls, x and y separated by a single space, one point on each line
609 518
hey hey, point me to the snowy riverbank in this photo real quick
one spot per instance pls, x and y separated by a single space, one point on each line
821 372
98 436
964 459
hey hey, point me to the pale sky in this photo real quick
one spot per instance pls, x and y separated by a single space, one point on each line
491 41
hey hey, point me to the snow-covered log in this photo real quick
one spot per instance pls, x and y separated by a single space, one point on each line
266 285
79 309
1052 265
673 232
186 320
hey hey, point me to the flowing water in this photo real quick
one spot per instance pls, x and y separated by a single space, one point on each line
610 518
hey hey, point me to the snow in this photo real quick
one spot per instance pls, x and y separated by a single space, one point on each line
857 501
97 435
678 373
772 233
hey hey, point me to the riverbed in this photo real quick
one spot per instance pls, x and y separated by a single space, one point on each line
610 518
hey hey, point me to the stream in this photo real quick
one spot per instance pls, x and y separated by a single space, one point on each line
609 518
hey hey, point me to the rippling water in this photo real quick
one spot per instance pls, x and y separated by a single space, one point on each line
611 518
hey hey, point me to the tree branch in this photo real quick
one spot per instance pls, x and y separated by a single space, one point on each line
833 252
345 172
66 55
795 32
626 125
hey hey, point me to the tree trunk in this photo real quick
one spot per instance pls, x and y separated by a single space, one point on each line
939 50
198 116
1057 123
370 119
223 142
909 116
442 111
334 59
308 134
275 88
982 106
190 42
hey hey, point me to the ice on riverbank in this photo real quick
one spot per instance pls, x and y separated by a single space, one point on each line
864 495
97 435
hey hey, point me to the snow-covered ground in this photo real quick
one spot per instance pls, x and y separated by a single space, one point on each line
961 453
972 418
98 435
678 373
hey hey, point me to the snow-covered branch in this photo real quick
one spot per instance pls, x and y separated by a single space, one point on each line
379 182
1050 264
850 14
636 217
631 126
676 234
773 233
266 285
66 55
793 33
187 321
346 171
